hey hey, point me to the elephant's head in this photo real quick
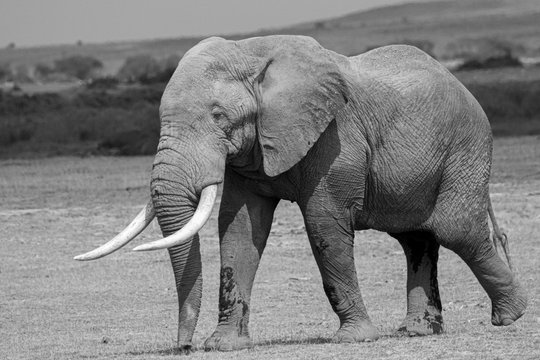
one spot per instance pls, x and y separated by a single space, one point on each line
260 102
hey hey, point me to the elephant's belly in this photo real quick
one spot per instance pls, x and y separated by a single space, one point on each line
398 207
397 218
278 187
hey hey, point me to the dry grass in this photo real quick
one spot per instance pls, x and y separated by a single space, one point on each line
124 306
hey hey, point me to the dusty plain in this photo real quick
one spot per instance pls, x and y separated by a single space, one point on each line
124 306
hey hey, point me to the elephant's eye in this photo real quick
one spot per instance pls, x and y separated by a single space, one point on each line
219 115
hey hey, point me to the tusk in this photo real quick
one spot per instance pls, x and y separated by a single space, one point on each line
204 209
141 221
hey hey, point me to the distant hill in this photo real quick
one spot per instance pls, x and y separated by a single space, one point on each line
438 22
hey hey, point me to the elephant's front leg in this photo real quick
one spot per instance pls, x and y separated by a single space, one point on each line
332 243
244 225
424 310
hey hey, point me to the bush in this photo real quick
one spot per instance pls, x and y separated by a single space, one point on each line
512 107
130 142
14 129
103 83
490 63
146 70
5 72
21 74
77 66
90 116
485 53
482 48
125 99
43 71
163 76
28 104
138 67
170 62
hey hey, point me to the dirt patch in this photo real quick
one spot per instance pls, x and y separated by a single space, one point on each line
54 307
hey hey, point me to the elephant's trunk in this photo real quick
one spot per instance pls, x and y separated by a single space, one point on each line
199 218
175 204
187 268
176 186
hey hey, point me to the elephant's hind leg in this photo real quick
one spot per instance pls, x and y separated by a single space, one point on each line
423 301
474 246
332 244
460 223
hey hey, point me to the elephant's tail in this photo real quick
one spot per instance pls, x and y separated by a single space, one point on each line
499 238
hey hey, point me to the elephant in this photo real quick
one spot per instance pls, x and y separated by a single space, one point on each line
387 140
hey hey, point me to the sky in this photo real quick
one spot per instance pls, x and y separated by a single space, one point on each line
47 22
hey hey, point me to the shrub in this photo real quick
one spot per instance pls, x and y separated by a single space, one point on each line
512 107
490 63
21 74
103 83
5 72
319 25
15 129
90 116
125 99
146 70
484 53
138 67
482 48
77 66
130 142
170 62
162 76
43 71
27 104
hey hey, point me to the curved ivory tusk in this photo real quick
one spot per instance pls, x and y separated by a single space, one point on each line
204 209
141 221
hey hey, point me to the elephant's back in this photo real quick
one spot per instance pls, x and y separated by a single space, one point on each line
418 90
397 60
407 74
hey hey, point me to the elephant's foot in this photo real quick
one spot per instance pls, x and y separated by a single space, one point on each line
227 341
507 309
356 332
185 349
428 323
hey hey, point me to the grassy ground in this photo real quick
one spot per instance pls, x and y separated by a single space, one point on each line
124 306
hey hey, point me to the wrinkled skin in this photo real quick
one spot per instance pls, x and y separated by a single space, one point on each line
387 140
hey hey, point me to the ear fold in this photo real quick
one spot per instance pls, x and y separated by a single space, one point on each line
299 92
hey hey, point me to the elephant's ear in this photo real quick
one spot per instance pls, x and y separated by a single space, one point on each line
299 91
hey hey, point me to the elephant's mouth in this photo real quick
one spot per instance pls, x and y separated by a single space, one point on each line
197 221
145 217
